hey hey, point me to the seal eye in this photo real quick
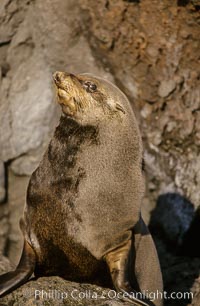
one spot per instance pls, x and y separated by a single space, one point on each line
90 87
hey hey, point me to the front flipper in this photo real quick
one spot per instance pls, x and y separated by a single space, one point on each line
118 263
11 280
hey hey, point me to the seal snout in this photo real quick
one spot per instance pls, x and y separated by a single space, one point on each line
58 77
61 77
65 91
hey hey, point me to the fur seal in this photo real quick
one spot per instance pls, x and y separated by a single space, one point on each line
82 216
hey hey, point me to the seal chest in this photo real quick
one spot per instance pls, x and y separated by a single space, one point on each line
84 199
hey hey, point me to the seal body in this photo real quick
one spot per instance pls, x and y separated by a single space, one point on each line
84 199
88 187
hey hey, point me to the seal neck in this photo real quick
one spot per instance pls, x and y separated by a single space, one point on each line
70 130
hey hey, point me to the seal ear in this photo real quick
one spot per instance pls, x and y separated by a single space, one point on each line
120 108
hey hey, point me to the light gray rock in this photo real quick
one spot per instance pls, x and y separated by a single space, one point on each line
166 87
16 202
2 182
31 109
25 165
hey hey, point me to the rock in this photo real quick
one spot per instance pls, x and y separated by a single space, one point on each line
25 165
11 16
31 108
5 264
56 291
2 182
16 201
148 93
189 246
197 128
187 175
166 87
172 217
4 227
4 224
170 126
146 111
155 138
179 279
153 51
196 292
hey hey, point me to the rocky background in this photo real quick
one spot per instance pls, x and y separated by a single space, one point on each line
151 50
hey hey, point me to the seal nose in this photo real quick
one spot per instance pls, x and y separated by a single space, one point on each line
57 76
60 77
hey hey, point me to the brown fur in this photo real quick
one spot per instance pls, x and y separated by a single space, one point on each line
83 201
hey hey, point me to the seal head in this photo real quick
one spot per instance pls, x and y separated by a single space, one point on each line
85 97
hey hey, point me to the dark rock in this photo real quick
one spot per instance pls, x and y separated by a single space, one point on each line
172 217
